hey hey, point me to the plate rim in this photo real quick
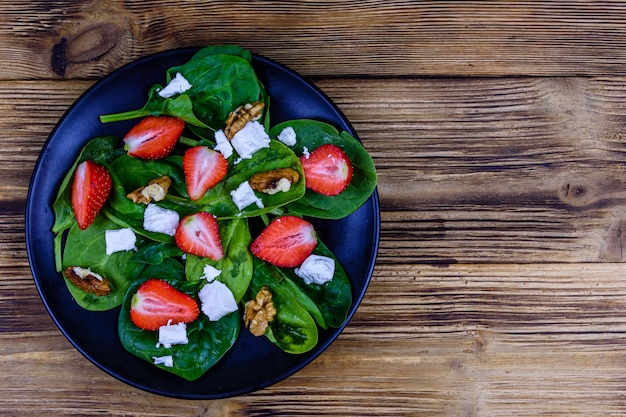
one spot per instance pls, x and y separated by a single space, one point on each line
373 200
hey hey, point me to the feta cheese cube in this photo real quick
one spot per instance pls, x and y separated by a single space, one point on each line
172 334
161 220
244 196
223 145
177 85
305 152
210 273
316 269
250 139
217 300
167 360
287 136
120 240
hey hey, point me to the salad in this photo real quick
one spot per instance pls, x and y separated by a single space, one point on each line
198 224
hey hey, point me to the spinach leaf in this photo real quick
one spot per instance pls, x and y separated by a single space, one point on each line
218 200
311 134
222 78
221 82
155 253
101 150
208 340
334 297
236 265
293 329
87 249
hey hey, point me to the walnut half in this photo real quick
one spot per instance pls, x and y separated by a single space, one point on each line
87 280
274 181
155 190
259 312
238 118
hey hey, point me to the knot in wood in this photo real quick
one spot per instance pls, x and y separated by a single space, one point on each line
86 46
576 194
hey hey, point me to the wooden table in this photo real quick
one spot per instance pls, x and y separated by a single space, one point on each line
499 134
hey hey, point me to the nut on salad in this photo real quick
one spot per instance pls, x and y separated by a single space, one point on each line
87 280
274 181
156 190
238 118
259 312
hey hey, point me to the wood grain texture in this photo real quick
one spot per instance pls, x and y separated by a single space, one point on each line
490 170
372 38
427 341
497 129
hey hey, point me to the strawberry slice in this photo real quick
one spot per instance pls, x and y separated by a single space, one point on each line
203 168
91 186
286 242
327 170
153 137
156 302
198 234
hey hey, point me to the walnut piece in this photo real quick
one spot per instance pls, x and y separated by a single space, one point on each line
155 190
259 312
87 280
238 118
274 181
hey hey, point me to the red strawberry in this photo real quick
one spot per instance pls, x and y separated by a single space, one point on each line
156 303
203 168
287 241
327 170
153 137
90 189
198 234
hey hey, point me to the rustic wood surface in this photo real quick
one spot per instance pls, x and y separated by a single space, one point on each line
499 134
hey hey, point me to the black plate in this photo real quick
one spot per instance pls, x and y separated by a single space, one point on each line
253 363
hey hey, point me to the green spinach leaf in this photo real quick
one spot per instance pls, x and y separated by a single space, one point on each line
101 150
333 298
87 249
219 201
293 329
222 78
235 266
311 134
208 340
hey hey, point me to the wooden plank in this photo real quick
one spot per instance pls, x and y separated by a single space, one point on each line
470 170
373 38
427 341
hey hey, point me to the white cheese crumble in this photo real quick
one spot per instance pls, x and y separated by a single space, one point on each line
244 196
210 273
167 360
316 269
250 139
223 145
177 85
217 300
172 334
287 136
161 220
305 152
120 240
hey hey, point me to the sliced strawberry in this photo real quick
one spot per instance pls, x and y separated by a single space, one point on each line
153 137
91 186
203 168
157 302
327 170
286 242
198 234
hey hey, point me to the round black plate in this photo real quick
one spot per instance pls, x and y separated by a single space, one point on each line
253 363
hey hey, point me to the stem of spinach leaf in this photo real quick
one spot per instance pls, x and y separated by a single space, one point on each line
188 141
127 115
